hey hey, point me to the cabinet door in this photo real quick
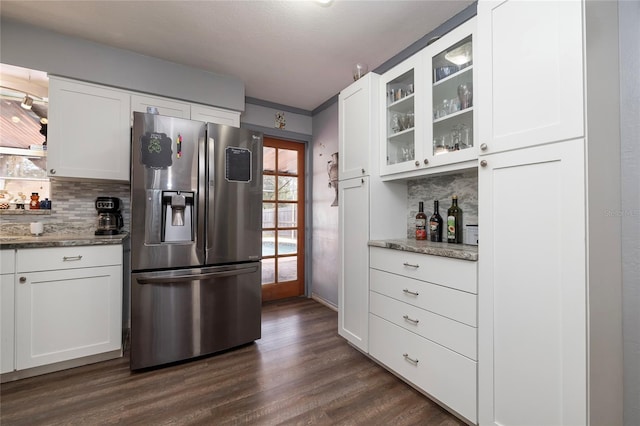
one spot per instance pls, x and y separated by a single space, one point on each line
358 127
401 120
168 107
353 283
67 314
7 323
215 115
529 61
450 112
89 133
532 288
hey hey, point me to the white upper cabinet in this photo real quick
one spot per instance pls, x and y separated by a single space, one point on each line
531 73
215 115
428 109
163 106
401 125
357 137
88 135
449 106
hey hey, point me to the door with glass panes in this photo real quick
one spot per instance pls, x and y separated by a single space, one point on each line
282 219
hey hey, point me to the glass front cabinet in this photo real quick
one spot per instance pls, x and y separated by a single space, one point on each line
429 116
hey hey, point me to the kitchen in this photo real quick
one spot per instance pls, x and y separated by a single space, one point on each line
326 286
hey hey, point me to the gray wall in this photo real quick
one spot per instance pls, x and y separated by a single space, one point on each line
324 224
629 15
30 47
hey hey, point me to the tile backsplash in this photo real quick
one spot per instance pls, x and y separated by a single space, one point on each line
442 188
72 208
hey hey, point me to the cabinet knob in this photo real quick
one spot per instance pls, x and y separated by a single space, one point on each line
362 171
52 171
23 280
417 163
483 163
483 147
426 161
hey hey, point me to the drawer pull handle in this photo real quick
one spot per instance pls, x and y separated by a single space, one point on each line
409 359
411 320
407 291
410 265
71 258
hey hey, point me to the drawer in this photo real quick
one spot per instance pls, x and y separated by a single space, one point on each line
443 374
7 261
455 304
454 273
51 258
454 335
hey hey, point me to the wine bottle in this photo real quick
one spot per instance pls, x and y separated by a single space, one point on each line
454 222
435 224
421 223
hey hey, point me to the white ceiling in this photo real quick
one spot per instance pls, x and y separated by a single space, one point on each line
295 53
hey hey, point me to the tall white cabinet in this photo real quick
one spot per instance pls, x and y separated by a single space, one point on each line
550 335
361 216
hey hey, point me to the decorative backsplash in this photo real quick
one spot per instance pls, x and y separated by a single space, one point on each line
72 208
442 188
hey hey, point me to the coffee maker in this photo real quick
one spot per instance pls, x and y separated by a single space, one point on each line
110 220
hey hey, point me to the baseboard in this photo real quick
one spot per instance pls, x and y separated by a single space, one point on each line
324 302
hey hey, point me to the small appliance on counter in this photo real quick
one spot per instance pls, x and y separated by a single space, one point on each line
110 220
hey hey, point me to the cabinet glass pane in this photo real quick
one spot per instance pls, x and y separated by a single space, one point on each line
452 71
400 119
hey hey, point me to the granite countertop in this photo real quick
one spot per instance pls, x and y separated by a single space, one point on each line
59 240
455 251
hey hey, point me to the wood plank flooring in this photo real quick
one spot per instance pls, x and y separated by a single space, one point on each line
299 372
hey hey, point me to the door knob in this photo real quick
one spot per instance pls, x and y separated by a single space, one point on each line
483 147
23 280
483 163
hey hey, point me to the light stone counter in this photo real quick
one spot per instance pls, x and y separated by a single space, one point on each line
59 240
455 251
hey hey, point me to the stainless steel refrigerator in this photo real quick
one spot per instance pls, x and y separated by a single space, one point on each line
196 203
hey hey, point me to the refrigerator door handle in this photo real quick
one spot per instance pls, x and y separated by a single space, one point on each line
173 279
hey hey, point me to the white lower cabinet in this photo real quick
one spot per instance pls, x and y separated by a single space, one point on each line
445 375
68 303
423 326
7 277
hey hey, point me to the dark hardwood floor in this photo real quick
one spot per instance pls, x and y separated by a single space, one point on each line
299 372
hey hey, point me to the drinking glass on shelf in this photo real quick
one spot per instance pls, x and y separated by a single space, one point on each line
454 105
465 94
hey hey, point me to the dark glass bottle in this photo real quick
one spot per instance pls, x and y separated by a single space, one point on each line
454 222
435 224
421 223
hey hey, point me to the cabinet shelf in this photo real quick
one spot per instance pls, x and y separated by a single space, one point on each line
400 135
452 76
400 101
452 115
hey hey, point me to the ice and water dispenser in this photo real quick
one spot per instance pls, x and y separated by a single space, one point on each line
177 216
